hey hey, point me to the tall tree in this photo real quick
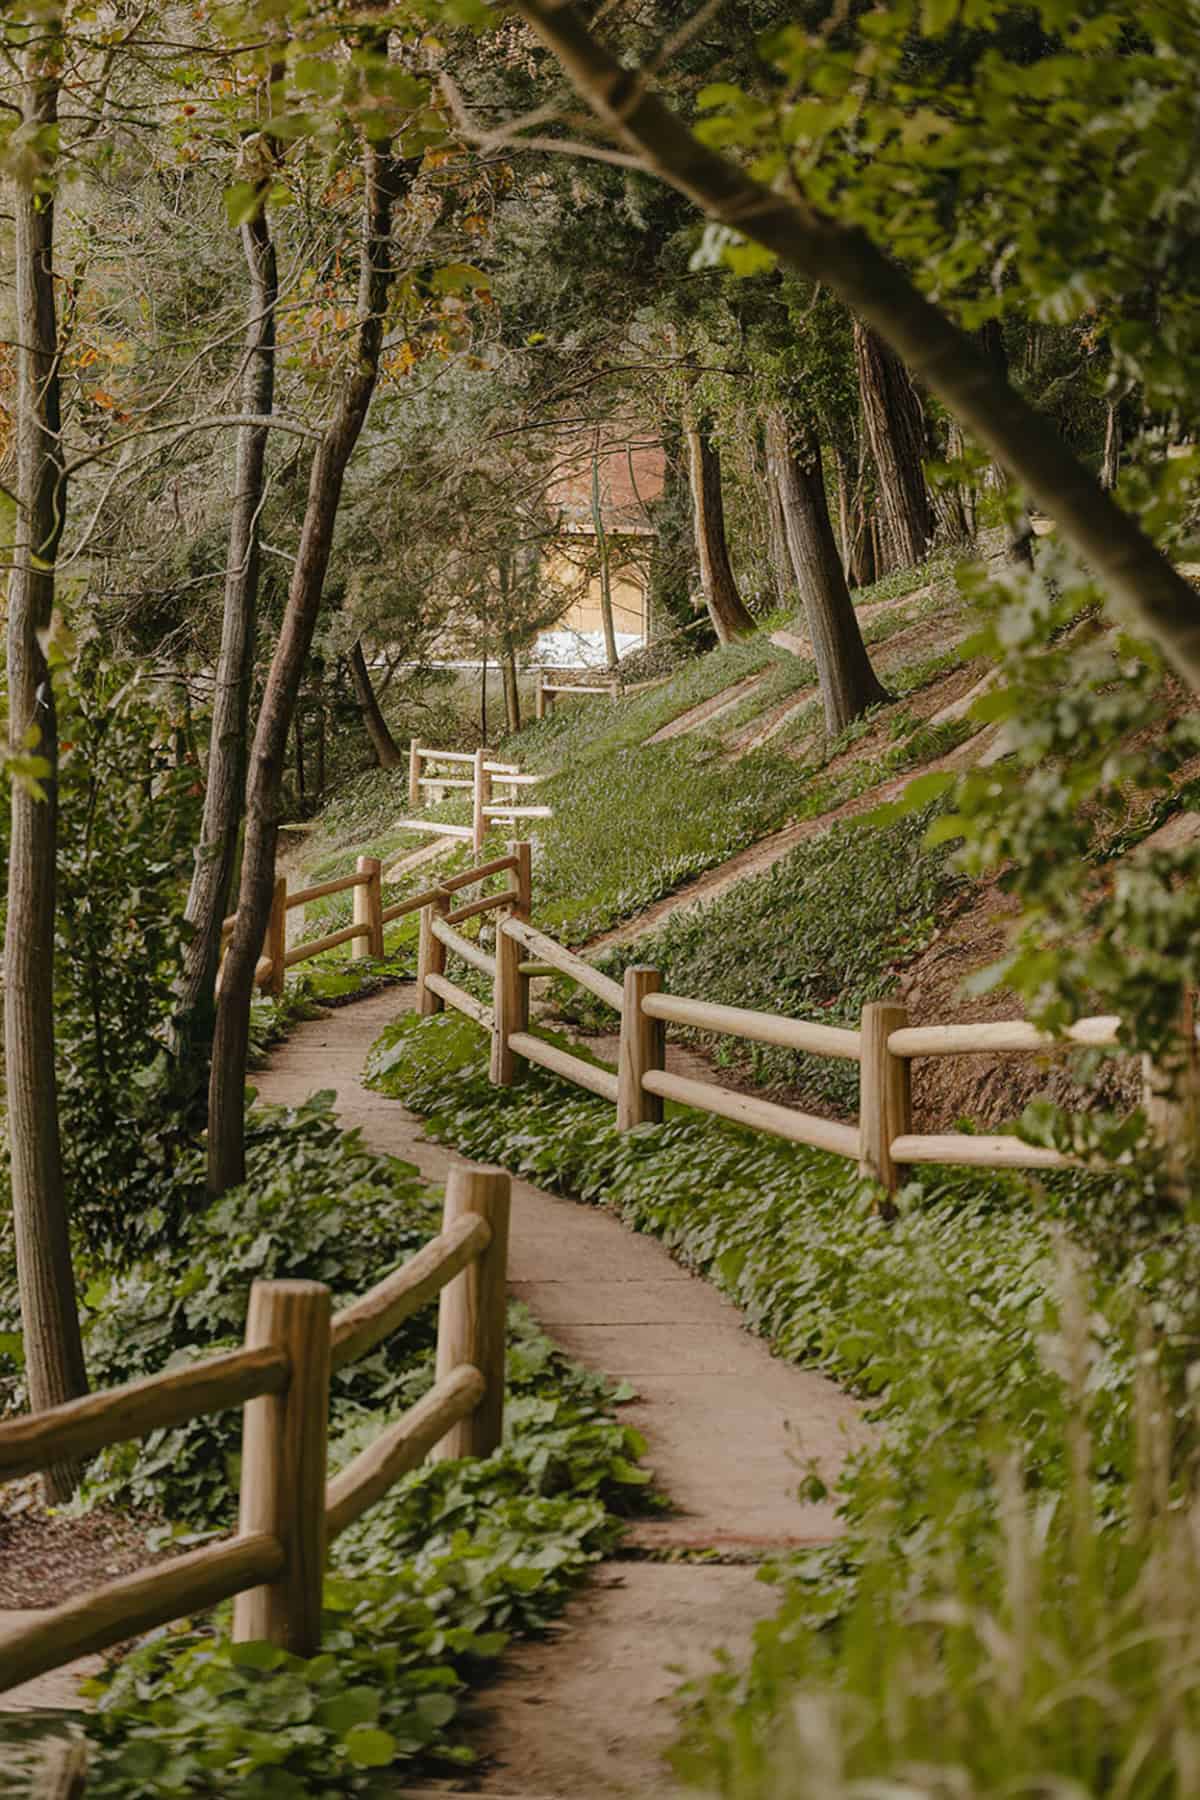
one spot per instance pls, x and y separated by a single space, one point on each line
216 853
895 428
384 177
823 248
388 753
49 1313
730 616
849 685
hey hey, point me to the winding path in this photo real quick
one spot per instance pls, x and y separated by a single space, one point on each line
730 1432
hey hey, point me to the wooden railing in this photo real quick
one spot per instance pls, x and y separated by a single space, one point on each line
438 936
370 914
881 1140
486 775
545 691
289 1509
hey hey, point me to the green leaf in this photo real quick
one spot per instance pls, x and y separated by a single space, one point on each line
369 1748
242 202
354 1706
256 1655
457 278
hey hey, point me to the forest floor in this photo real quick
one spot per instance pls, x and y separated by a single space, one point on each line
731 1433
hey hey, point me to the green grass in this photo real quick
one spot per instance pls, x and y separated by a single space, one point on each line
815 937
1011 1610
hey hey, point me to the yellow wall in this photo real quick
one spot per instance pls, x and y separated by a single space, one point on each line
583 614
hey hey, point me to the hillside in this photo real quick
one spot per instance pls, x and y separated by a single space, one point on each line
705 825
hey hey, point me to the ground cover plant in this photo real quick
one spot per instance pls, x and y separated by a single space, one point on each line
1024 1348
425 1590
828 928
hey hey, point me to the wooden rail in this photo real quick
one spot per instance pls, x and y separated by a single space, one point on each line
371 916
545 691
273 1567
486 773
882 1140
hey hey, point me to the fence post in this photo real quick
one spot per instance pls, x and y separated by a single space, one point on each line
884 1092
473 1307
522 850
276 944
283 1465
1171 1098
510 1009
414 775
539 693
431 954
368 908
481 793
614 688
643 1046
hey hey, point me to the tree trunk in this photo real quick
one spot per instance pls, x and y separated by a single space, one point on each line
783 576
54 1363
226 1115
512 692
1020 528
725 607
225 786
849 684
858 548
1110 468
388 753
1152 594
895 426
606 606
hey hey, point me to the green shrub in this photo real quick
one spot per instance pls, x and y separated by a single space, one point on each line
424 1589
996 1618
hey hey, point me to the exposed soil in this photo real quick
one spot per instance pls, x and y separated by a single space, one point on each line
48 1557
709 709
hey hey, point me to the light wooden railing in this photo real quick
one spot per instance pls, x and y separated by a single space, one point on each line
370 914
882 1140
289 1509
486 775
438 936
545 691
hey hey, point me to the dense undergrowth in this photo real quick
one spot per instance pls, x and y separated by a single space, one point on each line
825 930
1013 1531
424 1591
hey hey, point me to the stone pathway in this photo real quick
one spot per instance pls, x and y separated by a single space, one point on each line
730 1433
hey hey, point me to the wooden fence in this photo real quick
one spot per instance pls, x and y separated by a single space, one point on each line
370 914
545 691
882 1140
289 1508
486 775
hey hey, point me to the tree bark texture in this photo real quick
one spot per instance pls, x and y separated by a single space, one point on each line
382 177
895 427
783 577
729 615
225 786
512 691
848 683
606 605
388 753
1153 596
49 1312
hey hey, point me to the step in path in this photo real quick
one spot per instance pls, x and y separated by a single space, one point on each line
730 1430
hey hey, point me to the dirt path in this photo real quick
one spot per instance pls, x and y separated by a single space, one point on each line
730 1433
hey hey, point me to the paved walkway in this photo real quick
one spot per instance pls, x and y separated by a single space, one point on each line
730 1433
